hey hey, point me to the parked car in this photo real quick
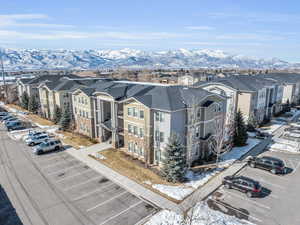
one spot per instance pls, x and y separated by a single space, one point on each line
261 135
244 184
271 164
10 120
15 125
33 134
6 118
36 139
2 114
48 145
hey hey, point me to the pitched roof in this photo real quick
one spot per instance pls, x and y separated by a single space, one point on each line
51 78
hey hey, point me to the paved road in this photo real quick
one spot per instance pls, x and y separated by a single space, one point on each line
57 189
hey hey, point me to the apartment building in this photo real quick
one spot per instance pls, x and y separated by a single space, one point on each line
58 93
253 95
140 117
30 85
83 111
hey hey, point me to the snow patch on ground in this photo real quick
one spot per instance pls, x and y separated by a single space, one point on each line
202 215
283 145
98 155
237 152
198 179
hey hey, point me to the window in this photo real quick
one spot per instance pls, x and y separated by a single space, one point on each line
135 130
159 116
129 128
141 151
198 113
197 131
87 114
129 111
161 136
141 114
135 150
135 112
141 132
86 102
130 147
74 98
80 112
75 110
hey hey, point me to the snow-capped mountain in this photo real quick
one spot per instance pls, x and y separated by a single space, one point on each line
31 59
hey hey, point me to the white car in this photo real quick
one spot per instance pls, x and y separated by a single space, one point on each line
32 134
36 139
48 145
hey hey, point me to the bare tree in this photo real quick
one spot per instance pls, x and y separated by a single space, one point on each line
221 141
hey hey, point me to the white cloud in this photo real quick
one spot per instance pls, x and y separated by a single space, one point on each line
246 36
199 28
55 35
17 20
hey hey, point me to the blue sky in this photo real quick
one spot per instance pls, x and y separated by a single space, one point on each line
265 28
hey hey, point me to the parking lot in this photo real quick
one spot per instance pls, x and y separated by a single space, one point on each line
101 201
279 201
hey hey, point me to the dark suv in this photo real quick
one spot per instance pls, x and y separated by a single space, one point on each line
275 166
243 184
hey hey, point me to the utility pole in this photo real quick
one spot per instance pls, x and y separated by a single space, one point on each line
3 75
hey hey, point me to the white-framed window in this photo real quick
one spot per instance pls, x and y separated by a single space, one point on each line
159 136
141 151
130 146
135 112
129 128
197 132
141 114
135 130
87 114
135 148
129 111
141 132
159 116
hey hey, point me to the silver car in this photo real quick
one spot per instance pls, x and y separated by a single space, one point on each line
46 146
36 139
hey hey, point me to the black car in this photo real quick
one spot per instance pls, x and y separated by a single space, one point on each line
271 164
244 184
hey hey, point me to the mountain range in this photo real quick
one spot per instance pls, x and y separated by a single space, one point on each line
33 59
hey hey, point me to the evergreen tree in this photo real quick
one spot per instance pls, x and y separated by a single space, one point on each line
24 100
33 104
174 160
65 119
252 123
240 130
57 115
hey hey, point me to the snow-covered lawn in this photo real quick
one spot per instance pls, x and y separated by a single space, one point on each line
201 214
274 126
237 152
196 180
283 145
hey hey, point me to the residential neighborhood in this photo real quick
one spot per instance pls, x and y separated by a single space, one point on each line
149 112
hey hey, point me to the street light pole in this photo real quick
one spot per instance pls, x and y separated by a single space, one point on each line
3 75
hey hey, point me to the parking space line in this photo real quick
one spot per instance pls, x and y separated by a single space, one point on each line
58 163
241 212
106 201
74 175
87 181
92 192
255 203
270 183
132 206
49 159
66 169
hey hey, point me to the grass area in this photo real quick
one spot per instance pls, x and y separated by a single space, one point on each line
133 169
33 117
76 140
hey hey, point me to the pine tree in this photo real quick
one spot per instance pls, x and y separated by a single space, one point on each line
174 160
33 104
252 123
65 119
57 115
240 132
24 100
